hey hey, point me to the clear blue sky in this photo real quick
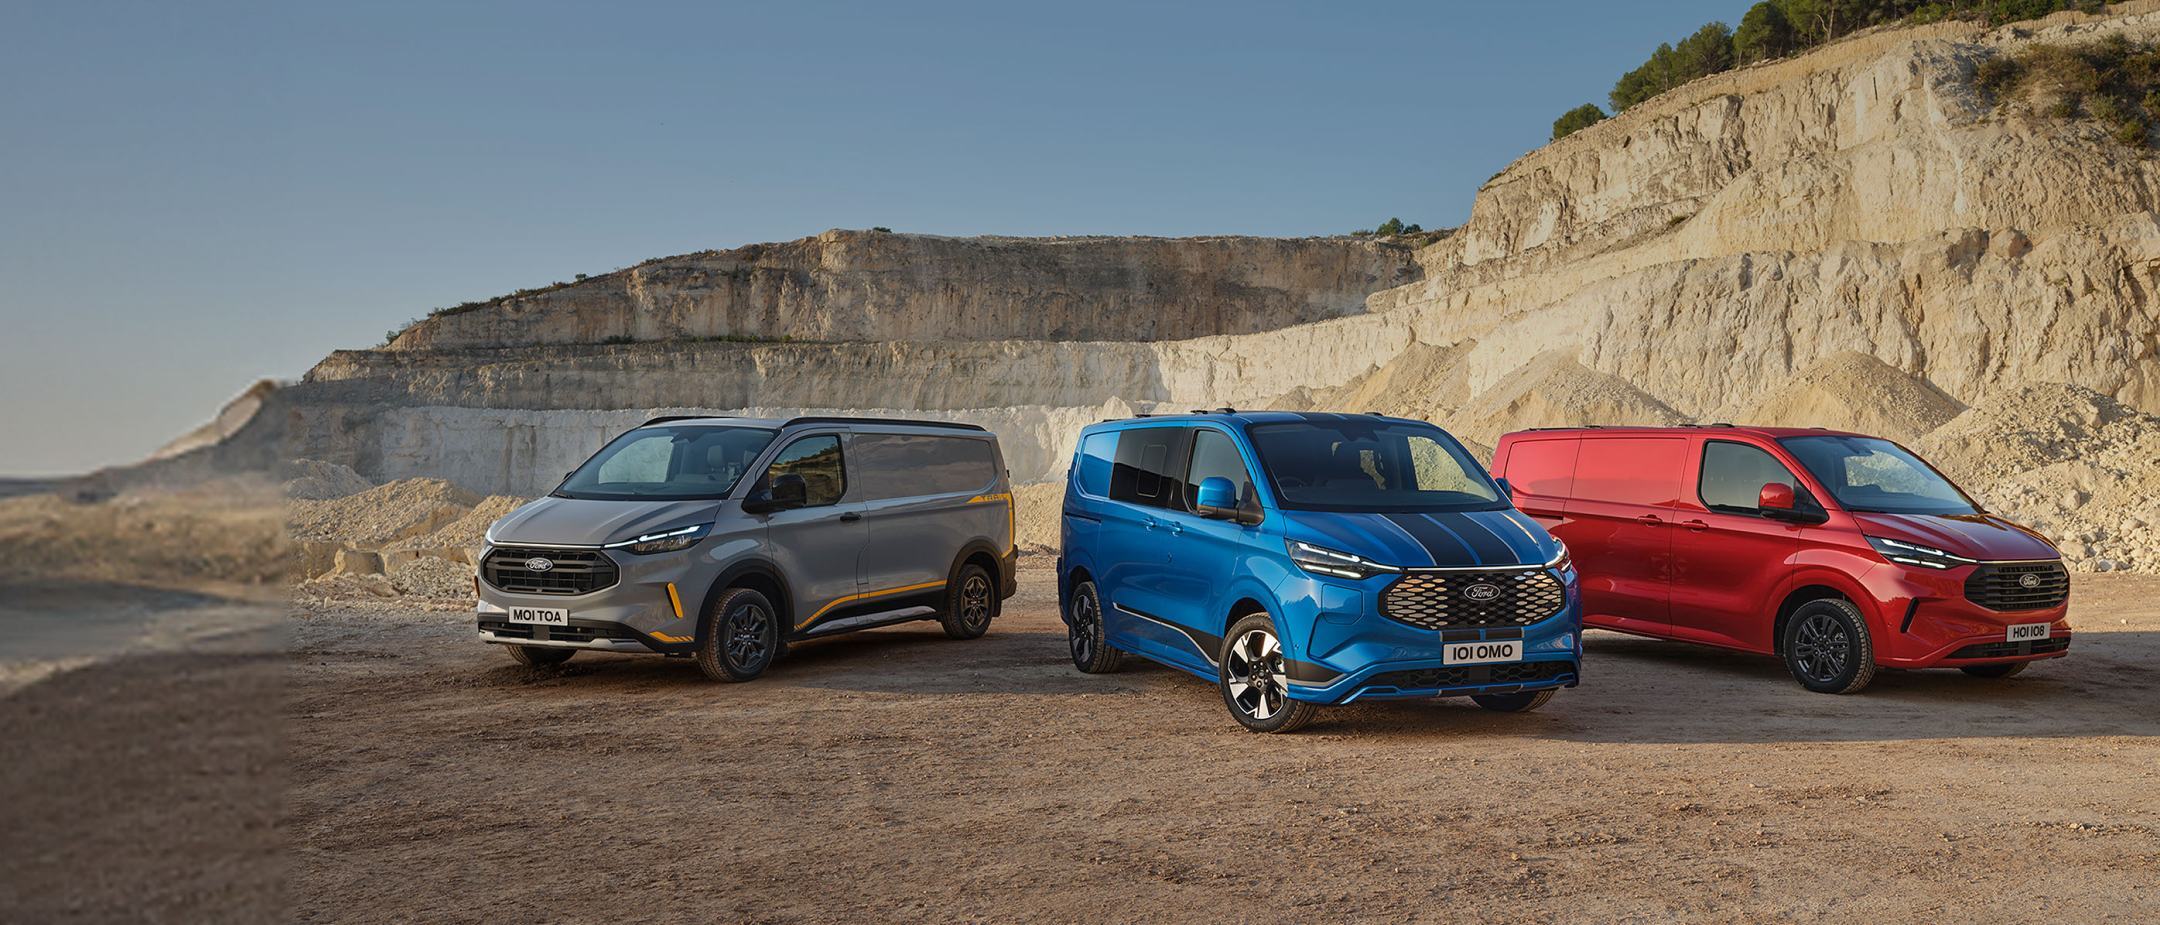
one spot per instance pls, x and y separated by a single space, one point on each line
193 196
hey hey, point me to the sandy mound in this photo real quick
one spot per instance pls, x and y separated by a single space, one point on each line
1037 509
468 531
315 480
2069 462
1851 391
381 515
1425 382
226 531
1554 390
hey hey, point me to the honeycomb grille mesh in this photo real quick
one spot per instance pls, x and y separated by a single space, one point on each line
1445 600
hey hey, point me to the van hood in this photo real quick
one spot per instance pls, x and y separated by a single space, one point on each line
1456 538
577 522
1974 536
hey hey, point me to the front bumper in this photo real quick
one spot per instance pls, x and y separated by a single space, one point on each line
1352 653
1928 622
636 614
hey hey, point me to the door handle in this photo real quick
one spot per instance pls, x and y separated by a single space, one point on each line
1177 529
850 517
1695 526
1650 520
1147 523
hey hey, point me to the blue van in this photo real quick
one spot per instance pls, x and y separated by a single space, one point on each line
1302 559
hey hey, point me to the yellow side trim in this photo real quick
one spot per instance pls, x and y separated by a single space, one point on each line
663 637
672 598
1012 521
866 595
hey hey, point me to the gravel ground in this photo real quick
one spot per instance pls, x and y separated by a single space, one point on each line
900 776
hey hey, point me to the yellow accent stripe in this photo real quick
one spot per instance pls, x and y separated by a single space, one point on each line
1012 523
866 595
672 598
663 637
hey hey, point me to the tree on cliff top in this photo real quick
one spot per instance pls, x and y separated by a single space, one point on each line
1577 119
1764 34
1706 52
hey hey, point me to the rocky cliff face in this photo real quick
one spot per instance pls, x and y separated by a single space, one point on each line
879 286
1858 238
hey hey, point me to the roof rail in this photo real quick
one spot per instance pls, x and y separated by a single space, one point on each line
667 418
908 422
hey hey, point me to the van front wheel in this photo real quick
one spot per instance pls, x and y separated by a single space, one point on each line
738 636
1255 684
1827 647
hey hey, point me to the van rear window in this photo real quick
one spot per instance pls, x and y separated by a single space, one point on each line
1545 468
906 465
1098 453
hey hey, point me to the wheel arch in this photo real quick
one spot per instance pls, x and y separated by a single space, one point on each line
1807 591
760 575
977 551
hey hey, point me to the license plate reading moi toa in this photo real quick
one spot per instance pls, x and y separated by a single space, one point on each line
1481 653
541 616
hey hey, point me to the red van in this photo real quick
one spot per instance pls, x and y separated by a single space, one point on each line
1838 551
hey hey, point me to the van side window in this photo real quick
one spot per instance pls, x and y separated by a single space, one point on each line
1146 469
1214 456
1545 468
1098 453
817 460
1632 470
908 465
1733 475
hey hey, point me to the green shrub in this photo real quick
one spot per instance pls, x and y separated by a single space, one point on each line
2152 104
2065 106
882 229
1577 119
2131 132
618 339
1996 75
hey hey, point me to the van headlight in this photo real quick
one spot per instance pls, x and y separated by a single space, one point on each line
1321 560
668 541
1561 561
1904 553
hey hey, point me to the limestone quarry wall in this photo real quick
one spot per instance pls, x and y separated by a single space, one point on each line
880 286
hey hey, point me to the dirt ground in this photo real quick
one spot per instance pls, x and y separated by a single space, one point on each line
901 776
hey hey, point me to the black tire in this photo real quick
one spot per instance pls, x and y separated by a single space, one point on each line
971 602
539 656
2005 670
1827 647
1249 674
1522 702
1085 639
738 636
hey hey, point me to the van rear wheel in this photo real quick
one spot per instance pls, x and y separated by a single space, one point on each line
1827 647
539 656
970 603
1084 635
738 636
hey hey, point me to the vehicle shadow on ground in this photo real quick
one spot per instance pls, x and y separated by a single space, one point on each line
1651 691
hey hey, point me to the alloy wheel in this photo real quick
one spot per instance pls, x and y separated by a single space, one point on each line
1822 648
746 629
975 601
1082 633
1258 683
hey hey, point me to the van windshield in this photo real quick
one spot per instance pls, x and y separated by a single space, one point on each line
1361 465
1870 475
680 463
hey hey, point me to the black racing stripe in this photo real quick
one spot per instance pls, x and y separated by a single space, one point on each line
1441 545
1490 548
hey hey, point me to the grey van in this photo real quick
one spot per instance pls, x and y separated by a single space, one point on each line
726 539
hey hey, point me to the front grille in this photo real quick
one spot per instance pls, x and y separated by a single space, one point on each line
2008 649
1436 600
556 633
574 571
2001 586
1473 675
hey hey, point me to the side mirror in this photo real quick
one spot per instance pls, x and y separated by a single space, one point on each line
1783 502
1775 497
783 493
1506 490
1216 499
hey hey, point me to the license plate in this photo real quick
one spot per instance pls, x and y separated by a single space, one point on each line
2028 632
540 616
1481 653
